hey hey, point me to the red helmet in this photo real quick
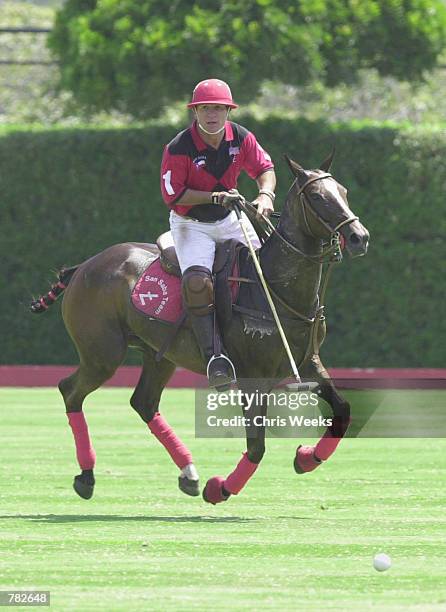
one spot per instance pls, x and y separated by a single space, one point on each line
212 91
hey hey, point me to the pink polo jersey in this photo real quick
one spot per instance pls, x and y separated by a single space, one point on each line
189 163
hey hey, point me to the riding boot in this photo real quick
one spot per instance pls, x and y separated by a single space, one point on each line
198 294
220 371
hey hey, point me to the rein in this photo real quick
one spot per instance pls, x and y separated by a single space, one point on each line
331 254
333 245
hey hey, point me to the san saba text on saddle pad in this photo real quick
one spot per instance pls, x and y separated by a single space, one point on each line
158 294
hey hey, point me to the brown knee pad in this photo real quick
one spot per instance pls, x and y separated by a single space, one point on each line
198 290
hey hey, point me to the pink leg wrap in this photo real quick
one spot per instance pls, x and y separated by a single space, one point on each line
328 443
235 482
84 449
168 438
305 459
326 447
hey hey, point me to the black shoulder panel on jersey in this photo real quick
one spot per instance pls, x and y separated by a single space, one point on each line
240 132
182 144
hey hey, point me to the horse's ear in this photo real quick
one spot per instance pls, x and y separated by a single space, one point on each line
293 166
296 168
325 165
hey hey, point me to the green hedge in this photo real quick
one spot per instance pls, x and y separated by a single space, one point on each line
66 194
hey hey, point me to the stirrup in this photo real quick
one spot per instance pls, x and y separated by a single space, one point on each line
223 382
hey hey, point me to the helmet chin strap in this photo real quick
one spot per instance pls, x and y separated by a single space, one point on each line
206 131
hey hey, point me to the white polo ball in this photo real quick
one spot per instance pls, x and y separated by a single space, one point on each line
382 562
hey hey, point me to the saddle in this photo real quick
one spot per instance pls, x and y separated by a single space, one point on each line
225 271
236 288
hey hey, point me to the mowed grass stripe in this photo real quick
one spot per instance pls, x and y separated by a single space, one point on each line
286 542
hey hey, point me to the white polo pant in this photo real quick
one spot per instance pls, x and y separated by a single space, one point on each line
195 241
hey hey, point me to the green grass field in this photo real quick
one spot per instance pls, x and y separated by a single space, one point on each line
287 542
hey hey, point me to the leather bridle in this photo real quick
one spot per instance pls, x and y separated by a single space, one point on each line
305 205
331 254
333 248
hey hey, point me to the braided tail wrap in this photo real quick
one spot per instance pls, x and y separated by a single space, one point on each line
45 301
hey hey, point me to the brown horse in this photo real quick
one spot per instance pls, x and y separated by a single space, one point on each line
102 323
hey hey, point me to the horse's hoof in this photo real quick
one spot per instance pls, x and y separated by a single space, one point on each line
84 488
305 461
188 486
213 491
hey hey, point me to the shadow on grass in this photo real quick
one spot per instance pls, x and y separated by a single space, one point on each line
109 518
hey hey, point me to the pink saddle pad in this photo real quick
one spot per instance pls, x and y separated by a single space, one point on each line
158 294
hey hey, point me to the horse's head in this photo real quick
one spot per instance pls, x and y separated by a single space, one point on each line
318 203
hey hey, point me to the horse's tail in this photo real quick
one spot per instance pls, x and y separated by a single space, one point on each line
45 301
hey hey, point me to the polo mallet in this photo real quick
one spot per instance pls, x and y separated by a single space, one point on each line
299 386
